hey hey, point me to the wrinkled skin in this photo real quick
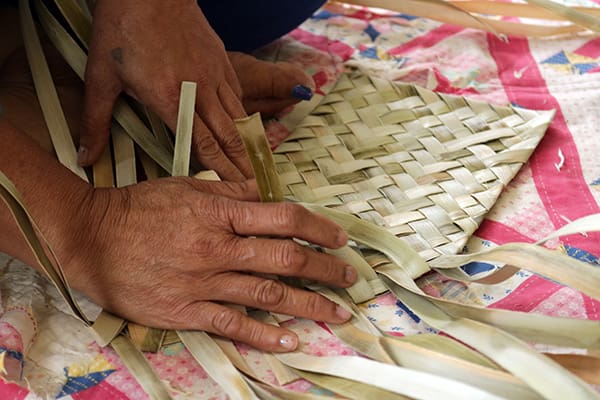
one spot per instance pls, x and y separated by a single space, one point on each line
150 64
168 253
170 261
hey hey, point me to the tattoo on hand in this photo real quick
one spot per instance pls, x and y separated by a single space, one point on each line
117 55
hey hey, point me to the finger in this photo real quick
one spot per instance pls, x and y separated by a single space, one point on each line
220 123
233 80
101 91
285 220
232 324
268 106
210 154
264 79
205 147
275 296
231 102
242 191
287 258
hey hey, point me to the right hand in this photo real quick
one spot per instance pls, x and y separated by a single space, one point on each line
166 253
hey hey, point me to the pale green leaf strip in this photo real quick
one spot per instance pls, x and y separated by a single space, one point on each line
34 238
102 170
549 330
426 360
570 14
63 42
185 125
151 169
79 22
377 238
447 346
438 12
361 342
549 263
140 134
540 373
268 392
122 112
349 389
216 364
361 290
533 327
159 129
107 327
539 328
253 135
421 357
124 153
47 95
360 321
522 10
590 223
140 368
234 356
407 382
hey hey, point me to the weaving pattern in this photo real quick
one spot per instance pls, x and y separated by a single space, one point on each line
425 166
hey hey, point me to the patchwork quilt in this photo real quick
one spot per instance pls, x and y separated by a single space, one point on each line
560 183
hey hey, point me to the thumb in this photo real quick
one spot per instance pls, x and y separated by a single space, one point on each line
263 79
101 92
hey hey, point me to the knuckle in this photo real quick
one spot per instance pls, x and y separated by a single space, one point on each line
240 215
167 93
313 305
255 335
288 216
331 272
219 207
232 142
208 147
227 323
290 256
269 293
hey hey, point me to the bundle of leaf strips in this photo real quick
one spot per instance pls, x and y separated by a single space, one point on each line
543 17
409 174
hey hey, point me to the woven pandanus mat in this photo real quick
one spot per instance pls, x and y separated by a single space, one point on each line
424 165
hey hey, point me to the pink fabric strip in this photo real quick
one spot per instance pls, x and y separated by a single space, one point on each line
592 307
12 391
323 43
101 391
530 91
528 295
499 233
430 39
590 49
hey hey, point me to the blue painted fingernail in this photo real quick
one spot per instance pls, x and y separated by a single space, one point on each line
302 92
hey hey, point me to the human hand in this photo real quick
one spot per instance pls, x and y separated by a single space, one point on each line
166 253
146 49
269 87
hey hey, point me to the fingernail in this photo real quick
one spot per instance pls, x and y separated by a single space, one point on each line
350 274
341 239
302 92
288 342
82 155
342 313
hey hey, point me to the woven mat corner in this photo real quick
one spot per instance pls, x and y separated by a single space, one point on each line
426 166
